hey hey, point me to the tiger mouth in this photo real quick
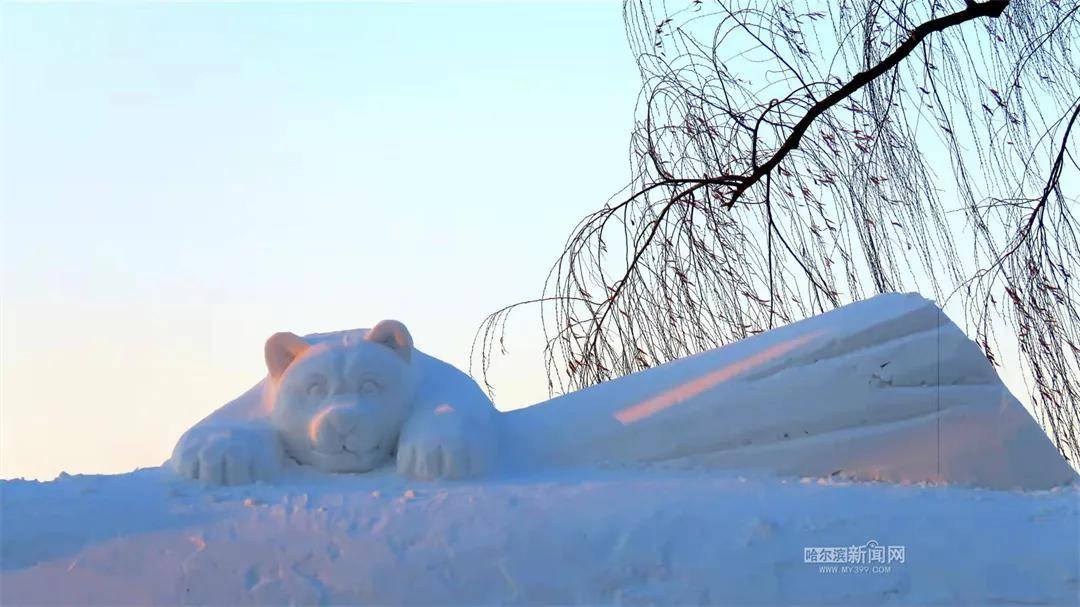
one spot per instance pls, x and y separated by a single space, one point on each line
344 449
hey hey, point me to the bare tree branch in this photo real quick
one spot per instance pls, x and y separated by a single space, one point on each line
790 156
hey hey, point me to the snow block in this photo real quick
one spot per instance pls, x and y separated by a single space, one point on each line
883 389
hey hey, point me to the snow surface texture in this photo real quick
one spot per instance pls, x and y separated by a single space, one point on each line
646 536
884 389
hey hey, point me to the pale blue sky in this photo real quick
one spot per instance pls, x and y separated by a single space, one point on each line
178 182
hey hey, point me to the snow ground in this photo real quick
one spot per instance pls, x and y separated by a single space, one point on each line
640 535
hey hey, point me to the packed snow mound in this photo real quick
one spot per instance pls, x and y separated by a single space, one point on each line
642 536
883 389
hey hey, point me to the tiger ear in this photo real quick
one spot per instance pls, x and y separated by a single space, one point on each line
281 350
393 335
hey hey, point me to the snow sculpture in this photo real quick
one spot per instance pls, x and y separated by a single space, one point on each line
883 389
345 402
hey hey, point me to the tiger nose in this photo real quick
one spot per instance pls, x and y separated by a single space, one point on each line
334 423
343 420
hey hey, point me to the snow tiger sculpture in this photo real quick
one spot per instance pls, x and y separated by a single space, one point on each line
345 402
884 389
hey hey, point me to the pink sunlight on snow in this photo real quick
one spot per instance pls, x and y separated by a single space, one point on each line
688 390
